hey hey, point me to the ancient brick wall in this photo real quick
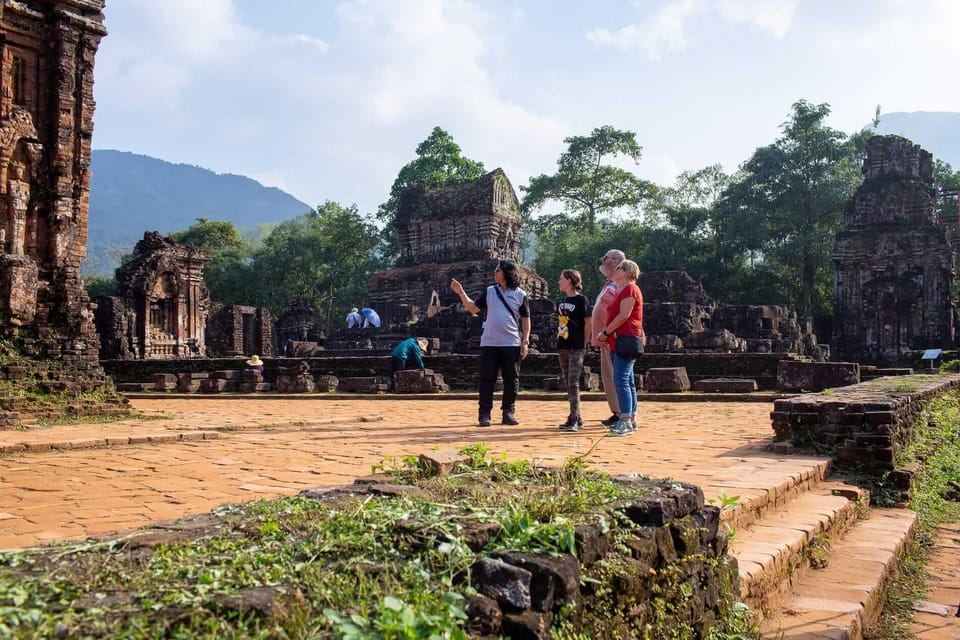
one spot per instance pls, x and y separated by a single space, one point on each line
864 424
237 330
46 124
894 285
461 371
458 232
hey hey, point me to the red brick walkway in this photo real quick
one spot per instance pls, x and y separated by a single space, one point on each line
79 480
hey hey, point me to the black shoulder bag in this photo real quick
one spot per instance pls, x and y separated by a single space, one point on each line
630 347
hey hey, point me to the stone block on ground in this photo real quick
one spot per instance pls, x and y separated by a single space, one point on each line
135 387
296 379
797 375
666 380
213 385
369 384
327 384
227 374
551 383
164 381
725 385
190 382
254 387
9 419
443 461
418 381
249 376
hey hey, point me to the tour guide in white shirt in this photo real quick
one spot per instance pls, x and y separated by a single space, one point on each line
505 340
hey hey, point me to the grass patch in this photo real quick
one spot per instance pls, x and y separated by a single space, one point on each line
937 449
352 566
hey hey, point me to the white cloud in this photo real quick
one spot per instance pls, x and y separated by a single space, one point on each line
772 16
158 51
666 30
669 26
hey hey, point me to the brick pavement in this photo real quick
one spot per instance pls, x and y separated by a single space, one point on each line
74 481
266 448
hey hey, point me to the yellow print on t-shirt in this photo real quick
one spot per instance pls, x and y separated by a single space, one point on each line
563 331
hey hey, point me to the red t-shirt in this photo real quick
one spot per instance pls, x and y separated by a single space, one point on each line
634 323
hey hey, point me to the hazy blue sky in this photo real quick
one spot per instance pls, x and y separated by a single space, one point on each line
328 99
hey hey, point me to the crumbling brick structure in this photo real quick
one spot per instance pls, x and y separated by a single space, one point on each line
46 124
236 330
459 232
894 261
163 306
679 315
300 322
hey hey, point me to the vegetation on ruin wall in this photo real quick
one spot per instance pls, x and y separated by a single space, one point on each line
47 391
935 498
358 567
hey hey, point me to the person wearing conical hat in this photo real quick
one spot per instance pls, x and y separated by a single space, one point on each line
255 364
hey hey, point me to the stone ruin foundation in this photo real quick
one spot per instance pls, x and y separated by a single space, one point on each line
894 260
238 330
161 308
679 316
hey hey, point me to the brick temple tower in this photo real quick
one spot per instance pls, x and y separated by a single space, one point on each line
47 53
894 260
460 231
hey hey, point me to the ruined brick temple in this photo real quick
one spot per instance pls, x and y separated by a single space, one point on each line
46 122
161 308
460 231
240 330
894 261
678 315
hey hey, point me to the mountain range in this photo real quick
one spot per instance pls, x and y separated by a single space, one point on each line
132 193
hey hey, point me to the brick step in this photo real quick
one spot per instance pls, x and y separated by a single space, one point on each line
847 596
764 485
775 552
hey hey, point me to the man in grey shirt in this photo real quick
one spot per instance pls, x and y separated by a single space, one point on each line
505 340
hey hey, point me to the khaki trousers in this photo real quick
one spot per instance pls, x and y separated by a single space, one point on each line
606 376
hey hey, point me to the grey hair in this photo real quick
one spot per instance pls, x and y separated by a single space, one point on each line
617 255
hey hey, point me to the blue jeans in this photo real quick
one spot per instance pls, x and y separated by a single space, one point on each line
625 384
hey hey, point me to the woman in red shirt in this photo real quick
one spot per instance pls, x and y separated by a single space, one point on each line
625 313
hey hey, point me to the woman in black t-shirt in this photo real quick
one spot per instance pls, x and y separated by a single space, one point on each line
573 334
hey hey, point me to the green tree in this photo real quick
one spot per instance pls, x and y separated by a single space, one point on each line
439 163
787 204
702 240
584 184
327 254
97 286
948 181
564 246
227 274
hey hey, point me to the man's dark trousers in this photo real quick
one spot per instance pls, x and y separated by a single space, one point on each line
506 360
